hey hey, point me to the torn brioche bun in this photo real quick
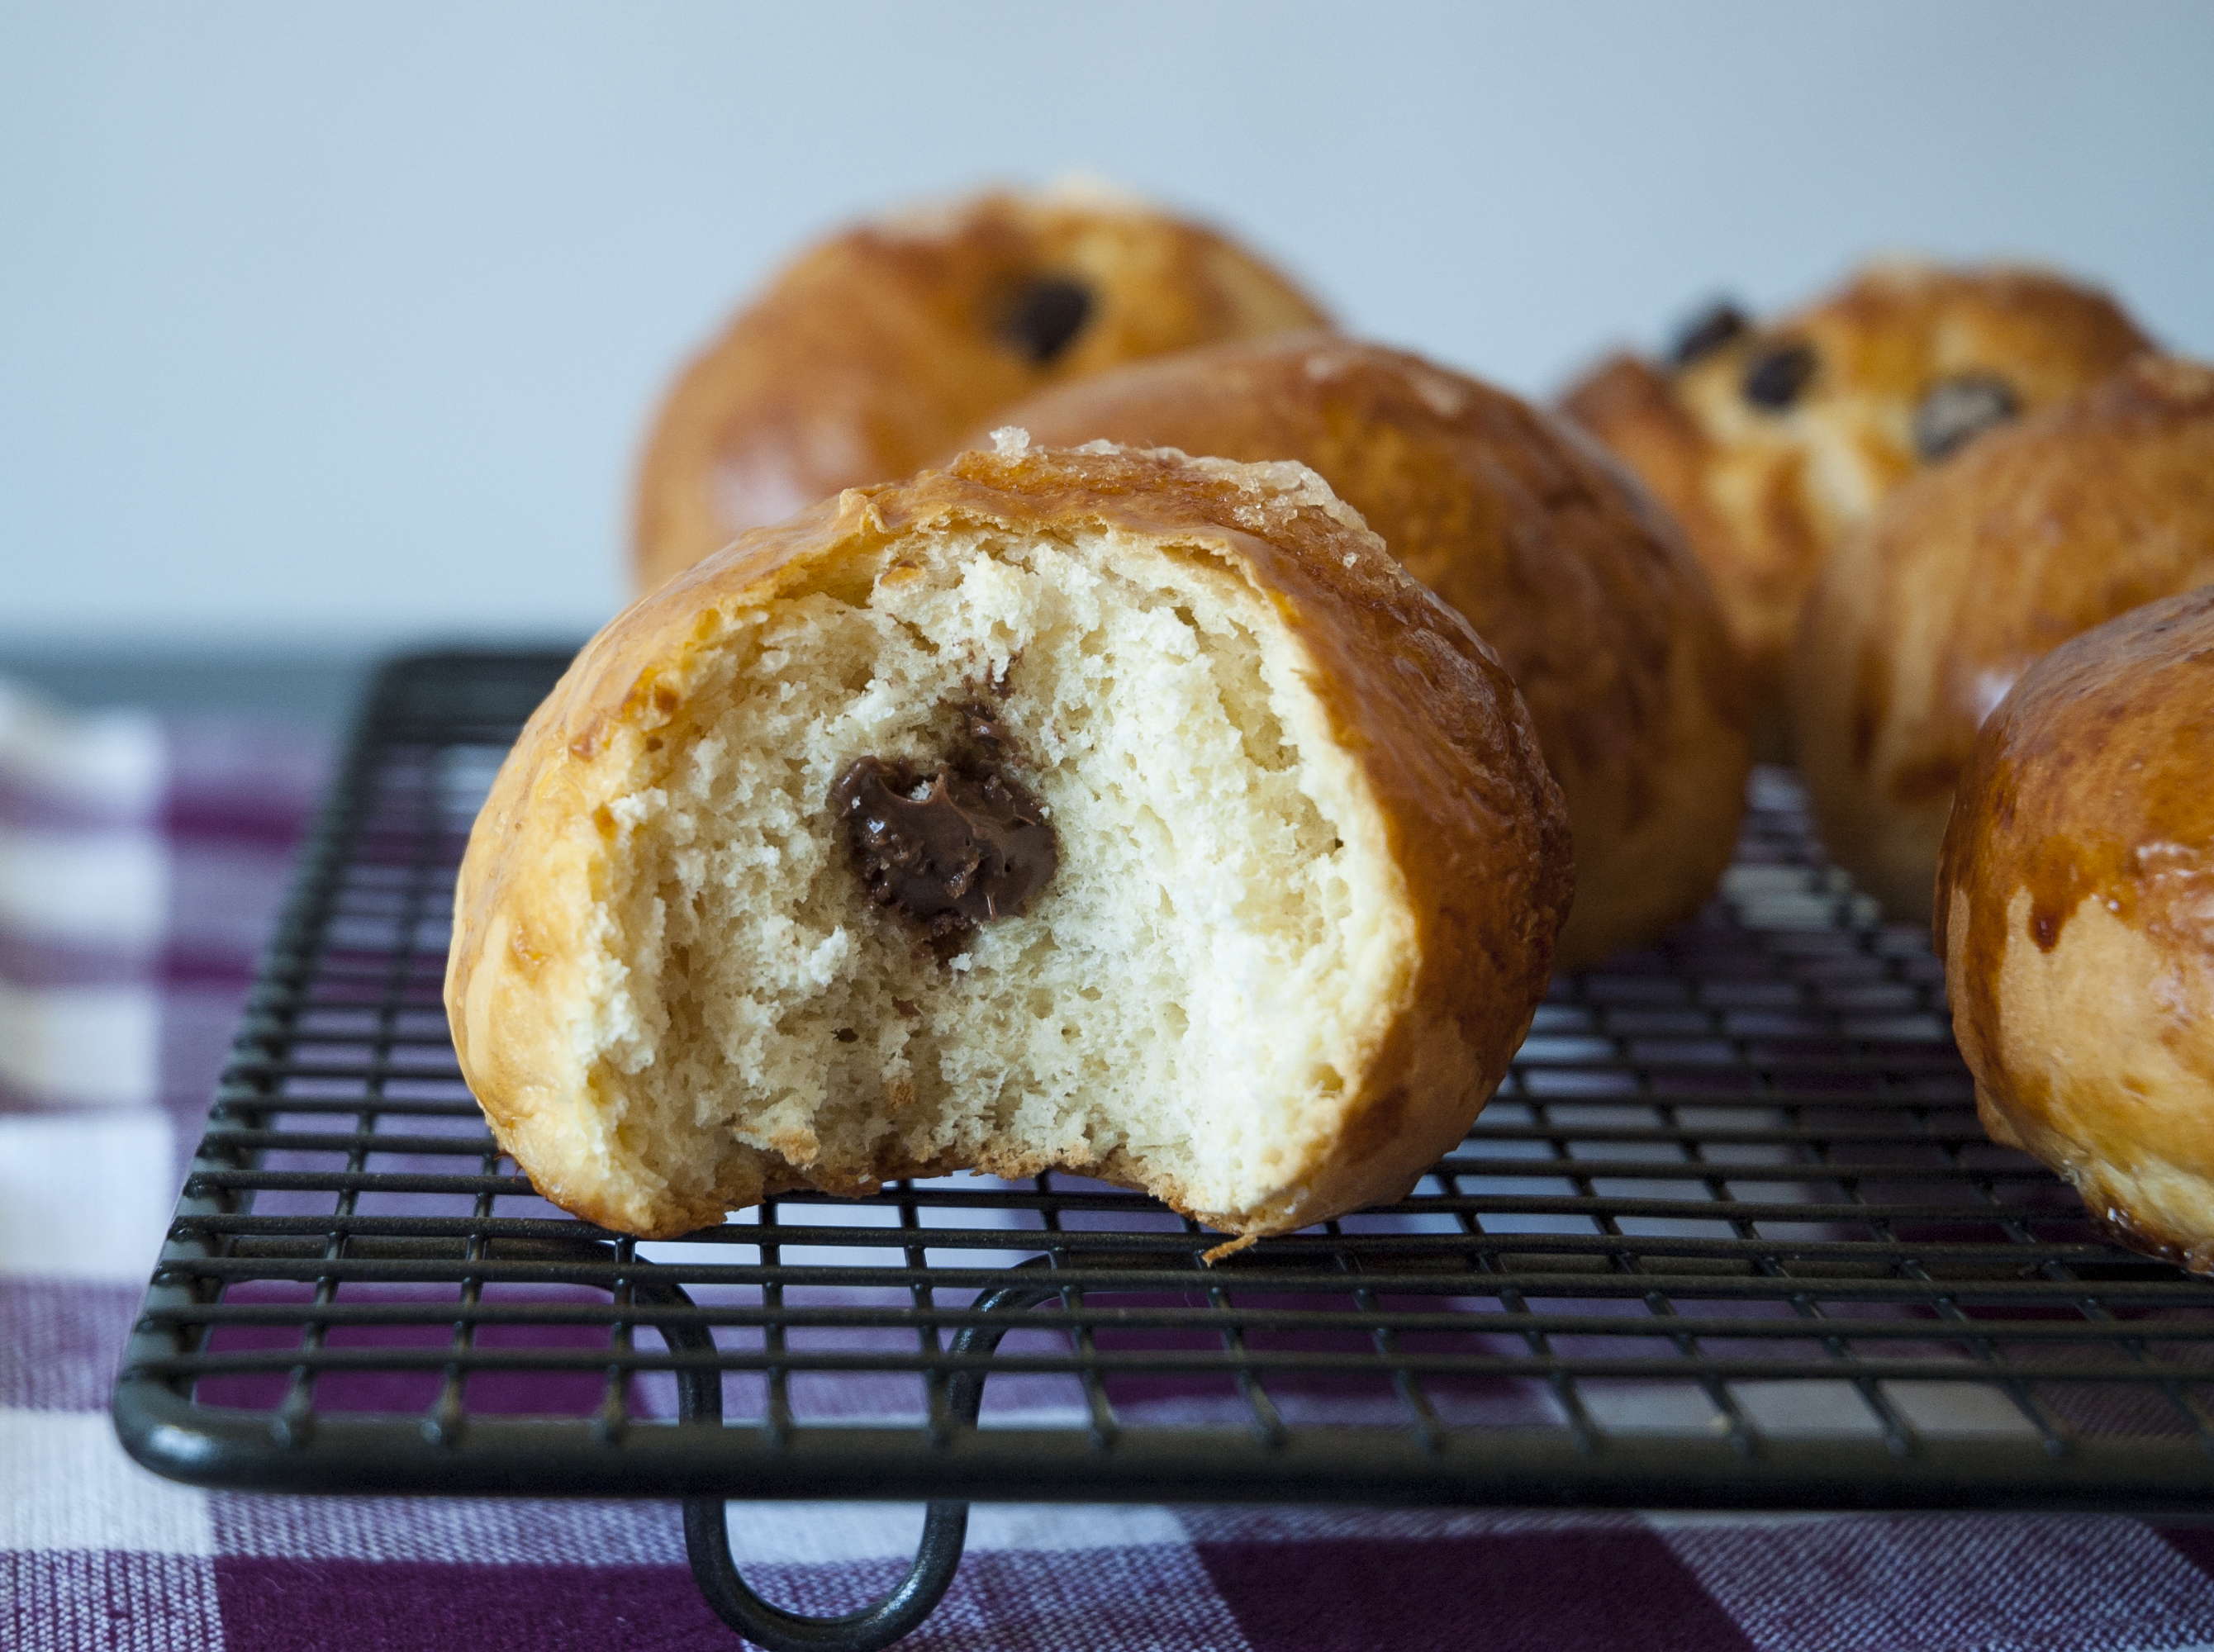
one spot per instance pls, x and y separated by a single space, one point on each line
1772 441
1919 626
2076 917
871 353
1603 618
1103 810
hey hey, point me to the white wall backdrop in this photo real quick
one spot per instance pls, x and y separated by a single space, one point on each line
331 322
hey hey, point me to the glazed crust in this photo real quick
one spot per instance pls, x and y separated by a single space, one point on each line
1603 618
1766 493
2076 915
875 350
1415 699
1919 625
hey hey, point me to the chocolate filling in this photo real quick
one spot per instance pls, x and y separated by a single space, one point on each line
951 847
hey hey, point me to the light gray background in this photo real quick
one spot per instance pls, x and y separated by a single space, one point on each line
324 325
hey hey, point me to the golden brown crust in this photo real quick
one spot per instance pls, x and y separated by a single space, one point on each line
875 350
1919 625
1441 741
1764 492
1603 619
2075 915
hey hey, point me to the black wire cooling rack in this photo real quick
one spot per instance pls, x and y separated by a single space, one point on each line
1729 1237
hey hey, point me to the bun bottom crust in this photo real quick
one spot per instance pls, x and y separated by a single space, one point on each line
2136 1210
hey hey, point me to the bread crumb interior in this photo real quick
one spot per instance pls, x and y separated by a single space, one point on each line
1181 1001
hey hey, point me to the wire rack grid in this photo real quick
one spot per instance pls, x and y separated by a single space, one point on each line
1728 1236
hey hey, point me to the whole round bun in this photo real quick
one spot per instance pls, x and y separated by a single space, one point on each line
2076 914
1113 811
874 351
1919 625
1558 560
1770 442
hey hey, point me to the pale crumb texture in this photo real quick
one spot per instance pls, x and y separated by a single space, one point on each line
1218 952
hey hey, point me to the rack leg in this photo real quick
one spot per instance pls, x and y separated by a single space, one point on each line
944 1529
707 1540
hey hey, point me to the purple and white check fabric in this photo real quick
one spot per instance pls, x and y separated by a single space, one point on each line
141 862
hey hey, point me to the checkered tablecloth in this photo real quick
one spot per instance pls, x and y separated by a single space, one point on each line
140 863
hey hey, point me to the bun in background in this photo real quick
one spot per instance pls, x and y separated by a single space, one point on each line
1920 625
873 351
1770 442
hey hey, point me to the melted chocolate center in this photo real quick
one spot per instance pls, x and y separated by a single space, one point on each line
952 846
